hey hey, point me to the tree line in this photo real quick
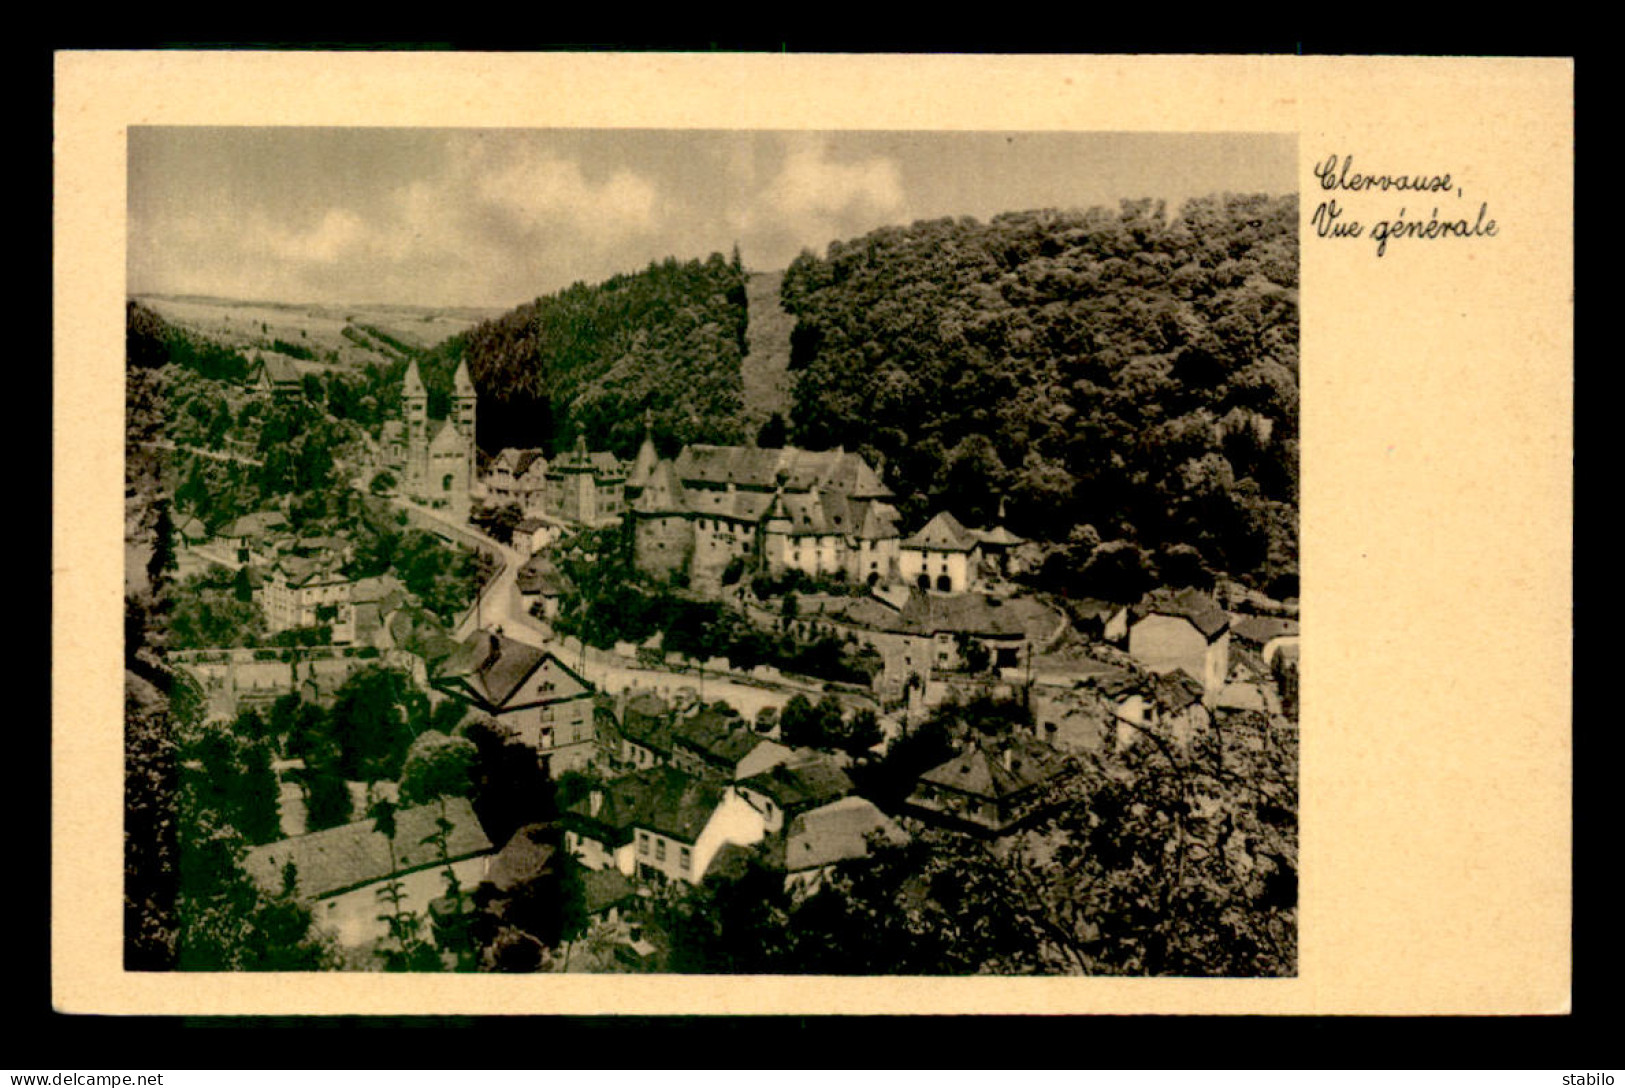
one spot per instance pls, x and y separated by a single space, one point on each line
1127 371
590 360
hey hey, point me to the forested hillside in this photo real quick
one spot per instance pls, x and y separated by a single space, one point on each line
588 359
1118 376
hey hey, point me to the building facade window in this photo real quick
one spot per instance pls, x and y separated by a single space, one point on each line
643 842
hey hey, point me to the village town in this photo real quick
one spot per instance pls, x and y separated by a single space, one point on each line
880 684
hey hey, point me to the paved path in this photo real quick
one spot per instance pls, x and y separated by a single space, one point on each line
217 455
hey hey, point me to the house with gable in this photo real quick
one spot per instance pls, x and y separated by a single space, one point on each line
585 488
1182 630
709 742
643 725
541 585
1077 704
659 825
786 790
518 477
819 839
943 557
1173 704
276 376
304 592
992 786
533 533
249 538
530 691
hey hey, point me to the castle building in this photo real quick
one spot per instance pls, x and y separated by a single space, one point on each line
823 512
440 453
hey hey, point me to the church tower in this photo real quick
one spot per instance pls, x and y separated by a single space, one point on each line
463 403
415 406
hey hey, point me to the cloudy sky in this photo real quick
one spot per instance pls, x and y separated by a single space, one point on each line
497 217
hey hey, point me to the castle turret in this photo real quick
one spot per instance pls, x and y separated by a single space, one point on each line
644 465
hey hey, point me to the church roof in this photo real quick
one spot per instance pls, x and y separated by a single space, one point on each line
413 385
461 383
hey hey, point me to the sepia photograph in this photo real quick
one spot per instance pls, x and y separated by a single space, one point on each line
741 552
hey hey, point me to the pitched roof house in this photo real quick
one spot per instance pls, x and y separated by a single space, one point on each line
991 786
821 838
709 742
276 375
659 825
787 790
1186 629
530 691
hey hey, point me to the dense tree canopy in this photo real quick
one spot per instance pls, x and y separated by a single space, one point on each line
1153 861
1127 370
589 360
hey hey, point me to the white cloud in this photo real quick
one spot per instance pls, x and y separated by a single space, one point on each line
545 193
814 199
337 235
812 185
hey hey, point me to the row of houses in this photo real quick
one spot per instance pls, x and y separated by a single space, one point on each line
580 487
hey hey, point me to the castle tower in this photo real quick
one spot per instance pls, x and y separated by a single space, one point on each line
644 465
415 406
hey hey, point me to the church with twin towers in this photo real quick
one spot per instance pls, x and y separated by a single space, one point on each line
440 457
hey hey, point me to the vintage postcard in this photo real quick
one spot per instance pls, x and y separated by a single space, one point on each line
796 534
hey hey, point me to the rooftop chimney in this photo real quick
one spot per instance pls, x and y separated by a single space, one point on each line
595 802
